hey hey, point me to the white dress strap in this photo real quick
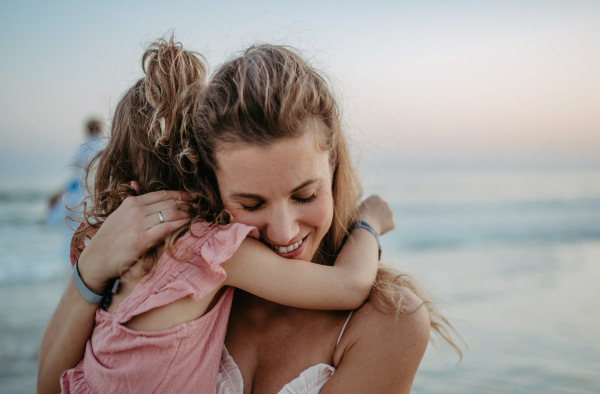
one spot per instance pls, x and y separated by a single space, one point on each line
343 328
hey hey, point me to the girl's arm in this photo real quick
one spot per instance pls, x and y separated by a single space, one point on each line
302 284
256 268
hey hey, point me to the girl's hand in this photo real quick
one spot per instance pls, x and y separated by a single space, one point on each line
128 232
375 211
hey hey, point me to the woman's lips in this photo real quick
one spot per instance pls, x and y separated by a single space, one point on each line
292 254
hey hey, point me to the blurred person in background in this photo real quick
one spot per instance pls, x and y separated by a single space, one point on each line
65 202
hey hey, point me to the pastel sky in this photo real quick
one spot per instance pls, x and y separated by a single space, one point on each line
472 82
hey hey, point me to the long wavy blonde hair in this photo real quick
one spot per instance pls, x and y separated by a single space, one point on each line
167 128
268 93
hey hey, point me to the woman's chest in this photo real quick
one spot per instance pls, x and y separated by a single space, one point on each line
272 352
268 364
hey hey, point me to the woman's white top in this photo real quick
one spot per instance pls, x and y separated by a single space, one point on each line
310 381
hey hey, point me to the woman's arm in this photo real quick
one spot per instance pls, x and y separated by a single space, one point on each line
124 236
301 284
63 343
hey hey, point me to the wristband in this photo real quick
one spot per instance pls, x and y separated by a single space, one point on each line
85 292
367 226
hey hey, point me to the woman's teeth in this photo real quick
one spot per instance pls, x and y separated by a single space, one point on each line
288 249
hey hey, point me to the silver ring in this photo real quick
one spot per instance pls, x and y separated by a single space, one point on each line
160 217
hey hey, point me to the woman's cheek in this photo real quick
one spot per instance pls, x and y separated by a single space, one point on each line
319 214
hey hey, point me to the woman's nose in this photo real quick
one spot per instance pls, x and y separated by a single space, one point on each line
282 227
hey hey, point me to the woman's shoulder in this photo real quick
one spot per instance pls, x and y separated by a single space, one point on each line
379 310
374 329
380 351
412 325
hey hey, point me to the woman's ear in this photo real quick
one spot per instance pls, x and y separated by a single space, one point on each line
135 186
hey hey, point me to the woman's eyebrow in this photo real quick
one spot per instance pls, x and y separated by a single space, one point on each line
259 197
246 195
307 183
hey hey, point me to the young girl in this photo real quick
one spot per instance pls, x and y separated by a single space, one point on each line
164 329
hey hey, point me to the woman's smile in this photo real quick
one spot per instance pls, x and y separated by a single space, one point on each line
290 251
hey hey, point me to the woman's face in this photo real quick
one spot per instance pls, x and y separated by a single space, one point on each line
283 189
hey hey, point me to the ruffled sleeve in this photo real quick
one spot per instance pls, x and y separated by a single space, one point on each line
197 276
208 255
224 242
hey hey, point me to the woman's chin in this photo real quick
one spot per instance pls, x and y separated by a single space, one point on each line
307 253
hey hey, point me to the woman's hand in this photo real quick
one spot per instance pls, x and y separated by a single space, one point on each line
123 237
128 232
375 211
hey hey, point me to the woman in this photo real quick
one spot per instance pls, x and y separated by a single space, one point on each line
269 127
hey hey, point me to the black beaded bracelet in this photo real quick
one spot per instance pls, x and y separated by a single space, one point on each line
367 226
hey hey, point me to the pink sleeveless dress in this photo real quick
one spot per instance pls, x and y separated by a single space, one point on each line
183 359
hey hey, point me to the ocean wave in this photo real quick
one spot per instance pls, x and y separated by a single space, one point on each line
459 225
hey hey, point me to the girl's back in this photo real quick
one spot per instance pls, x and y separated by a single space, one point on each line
180 359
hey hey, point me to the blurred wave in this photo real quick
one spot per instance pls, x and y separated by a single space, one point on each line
461 225
31 251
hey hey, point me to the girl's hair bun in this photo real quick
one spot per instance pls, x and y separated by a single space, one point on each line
152 141
173 78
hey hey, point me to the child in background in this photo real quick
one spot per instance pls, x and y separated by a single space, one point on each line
64 203
165 327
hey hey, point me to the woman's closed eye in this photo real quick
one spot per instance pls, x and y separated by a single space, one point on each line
302 200
306 199
253 207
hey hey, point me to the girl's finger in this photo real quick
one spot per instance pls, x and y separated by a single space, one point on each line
170 215
163 195
156 233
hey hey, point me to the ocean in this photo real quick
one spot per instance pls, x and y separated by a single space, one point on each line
512 258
